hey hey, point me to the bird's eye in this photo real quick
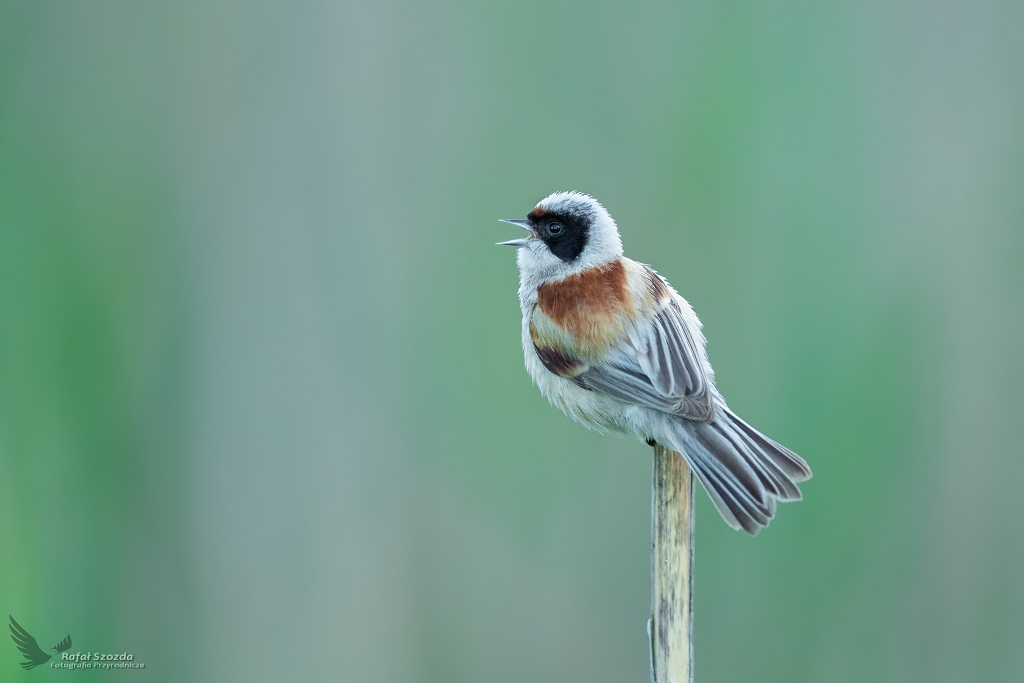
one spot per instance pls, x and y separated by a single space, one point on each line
554 228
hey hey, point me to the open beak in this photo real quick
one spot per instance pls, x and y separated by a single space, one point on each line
522 223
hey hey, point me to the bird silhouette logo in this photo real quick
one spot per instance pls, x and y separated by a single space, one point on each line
30 648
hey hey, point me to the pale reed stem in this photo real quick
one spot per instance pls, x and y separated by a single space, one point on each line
671 625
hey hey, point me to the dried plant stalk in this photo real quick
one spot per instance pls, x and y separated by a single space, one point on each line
671 625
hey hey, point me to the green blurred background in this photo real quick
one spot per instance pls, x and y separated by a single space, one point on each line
263 414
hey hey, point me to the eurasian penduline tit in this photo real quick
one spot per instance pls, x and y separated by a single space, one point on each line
609 342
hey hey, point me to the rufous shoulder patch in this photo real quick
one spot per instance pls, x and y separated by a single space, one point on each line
589 305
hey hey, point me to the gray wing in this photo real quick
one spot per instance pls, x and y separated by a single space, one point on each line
659 366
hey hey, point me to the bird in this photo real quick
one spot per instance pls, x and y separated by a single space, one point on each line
30 648
609 342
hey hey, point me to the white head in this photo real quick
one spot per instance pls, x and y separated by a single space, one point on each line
569 232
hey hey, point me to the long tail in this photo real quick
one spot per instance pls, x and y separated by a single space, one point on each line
743 470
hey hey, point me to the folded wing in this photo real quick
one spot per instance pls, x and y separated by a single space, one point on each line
659 365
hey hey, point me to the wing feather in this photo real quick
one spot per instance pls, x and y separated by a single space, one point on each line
658 365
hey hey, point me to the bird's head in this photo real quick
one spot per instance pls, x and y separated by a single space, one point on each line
569 232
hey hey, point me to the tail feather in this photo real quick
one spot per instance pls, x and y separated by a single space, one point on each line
775 481
743 471
729 481
737 511
792 464
731 461
749 514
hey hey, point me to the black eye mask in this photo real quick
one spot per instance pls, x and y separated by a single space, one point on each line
569 242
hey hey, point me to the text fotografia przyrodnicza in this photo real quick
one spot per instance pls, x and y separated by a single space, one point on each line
97 660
